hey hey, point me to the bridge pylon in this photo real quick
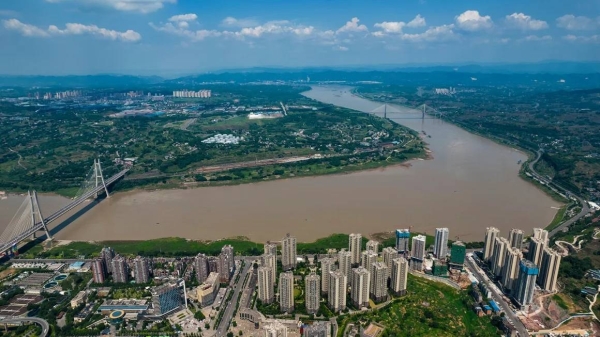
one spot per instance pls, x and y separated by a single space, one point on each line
99 177
36 213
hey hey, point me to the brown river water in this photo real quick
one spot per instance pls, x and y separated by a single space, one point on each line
471 183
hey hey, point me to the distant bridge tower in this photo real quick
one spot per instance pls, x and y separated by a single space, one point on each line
423 114
99 177
385 111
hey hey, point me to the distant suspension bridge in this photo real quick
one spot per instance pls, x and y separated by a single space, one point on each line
29 219
423 112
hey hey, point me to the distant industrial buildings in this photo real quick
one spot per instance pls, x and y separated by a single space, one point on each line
223 139
192 94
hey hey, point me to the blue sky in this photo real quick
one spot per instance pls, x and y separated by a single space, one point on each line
170 37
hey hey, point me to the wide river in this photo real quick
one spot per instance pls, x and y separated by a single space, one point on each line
471 183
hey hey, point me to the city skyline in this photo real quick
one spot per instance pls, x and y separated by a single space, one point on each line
175 37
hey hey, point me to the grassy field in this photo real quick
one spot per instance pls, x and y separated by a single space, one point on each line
558 218
183 247
429 309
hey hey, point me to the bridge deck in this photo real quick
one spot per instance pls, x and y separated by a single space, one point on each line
38 226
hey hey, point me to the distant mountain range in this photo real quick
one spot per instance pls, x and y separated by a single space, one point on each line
578 74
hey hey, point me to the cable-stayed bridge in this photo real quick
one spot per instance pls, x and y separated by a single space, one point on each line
29 219
424 112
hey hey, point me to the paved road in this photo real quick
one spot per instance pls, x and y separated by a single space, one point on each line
497 297
229 310
585 208
45 326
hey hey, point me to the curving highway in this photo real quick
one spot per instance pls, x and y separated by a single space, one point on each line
45 326
585 208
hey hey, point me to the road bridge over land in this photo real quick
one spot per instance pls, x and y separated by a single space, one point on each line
20 320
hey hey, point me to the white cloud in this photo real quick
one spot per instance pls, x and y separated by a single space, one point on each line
183 17
533 38
268 28
525 22
71 29
352 26
241 23
396 27
197 35
389 27
584 39
432 34
471 20
342 48
140 6
418 21
572 22
23 28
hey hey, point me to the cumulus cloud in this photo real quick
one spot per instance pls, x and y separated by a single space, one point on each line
183 17
532 38
572 22
396 27
140 6
433 34
352 26
71 29
389 27
269 28
418 21
584 39
24 29
183 31
471 20
525 22
241 23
